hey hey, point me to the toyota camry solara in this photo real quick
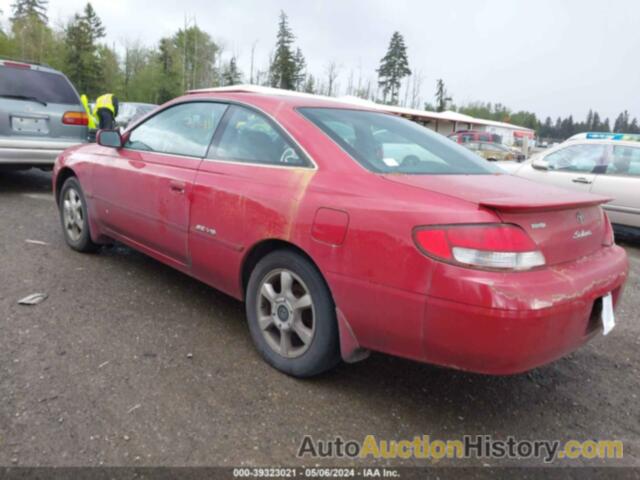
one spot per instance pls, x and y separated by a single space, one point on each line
346 230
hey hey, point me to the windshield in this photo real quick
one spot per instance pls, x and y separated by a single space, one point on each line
37 85
385 143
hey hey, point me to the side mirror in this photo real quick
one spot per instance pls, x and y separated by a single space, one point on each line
540 164
109 138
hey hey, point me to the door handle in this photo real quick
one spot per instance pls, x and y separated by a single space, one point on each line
581 180
176 186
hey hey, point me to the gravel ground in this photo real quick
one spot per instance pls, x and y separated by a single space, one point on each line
129 362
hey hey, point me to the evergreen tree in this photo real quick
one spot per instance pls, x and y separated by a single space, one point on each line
596 125
589 122
283 68
442 98
310 85
621 125
394 66
168 86
94 23
230 73
83 61
31 34
300 71
23 9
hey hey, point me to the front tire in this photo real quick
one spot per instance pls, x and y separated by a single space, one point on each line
292 316
74 217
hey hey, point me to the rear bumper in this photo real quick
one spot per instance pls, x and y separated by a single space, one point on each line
524 320
32 152
503 342
491 322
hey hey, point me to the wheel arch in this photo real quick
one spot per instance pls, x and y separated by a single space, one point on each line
350 348
62 176
261 249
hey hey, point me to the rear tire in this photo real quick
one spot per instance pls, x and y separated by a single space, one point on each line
74 217
291 315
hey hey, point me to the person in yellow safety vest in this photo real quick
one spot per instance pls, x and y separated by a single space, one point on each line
106 111
92 119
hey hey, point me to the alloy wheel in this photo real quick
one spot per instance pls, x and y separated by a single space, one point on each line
286 313
72 214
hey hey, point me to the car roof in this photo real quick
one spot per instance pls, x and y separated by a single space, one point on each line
273 98
9 63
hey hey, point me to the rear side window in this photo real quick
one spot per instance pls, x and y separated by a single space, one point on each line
249 136
385 143
625 161
184 129
38 85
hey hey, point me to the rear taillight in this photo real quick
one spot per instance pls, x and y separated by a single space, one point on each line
75 118
490 246
608 238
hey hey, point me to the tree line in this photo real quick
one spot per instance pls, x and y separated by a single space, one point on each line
558 129
190 59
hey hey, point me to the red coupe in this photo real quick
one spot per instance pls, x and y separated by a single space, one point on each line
346 230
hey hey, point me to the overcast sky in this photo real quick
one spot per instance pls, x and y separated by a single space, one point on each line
552 57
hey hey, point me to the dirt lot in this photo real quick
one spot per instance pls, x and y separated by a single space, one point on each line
129 362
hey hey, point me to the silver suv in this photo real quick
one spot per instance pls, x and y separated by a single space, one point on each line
40 115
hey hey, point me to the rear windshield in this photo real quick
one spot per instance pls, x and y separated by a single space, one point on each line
385 143
43 86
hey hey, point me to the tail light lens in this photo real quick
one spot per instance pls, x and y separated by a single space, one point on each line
608 239
490 246
75 118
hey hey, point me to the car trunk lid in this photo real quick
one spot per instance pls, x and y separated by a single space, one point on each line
565 225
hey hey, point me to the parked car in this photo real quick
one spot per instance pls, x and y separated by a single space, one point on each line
129 112
491 151
286 201
466 136
40 115
605 165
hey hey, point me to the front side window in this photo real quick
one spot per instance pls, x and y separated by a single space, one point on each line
184 129
578 158
385 143
249 136
624 161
